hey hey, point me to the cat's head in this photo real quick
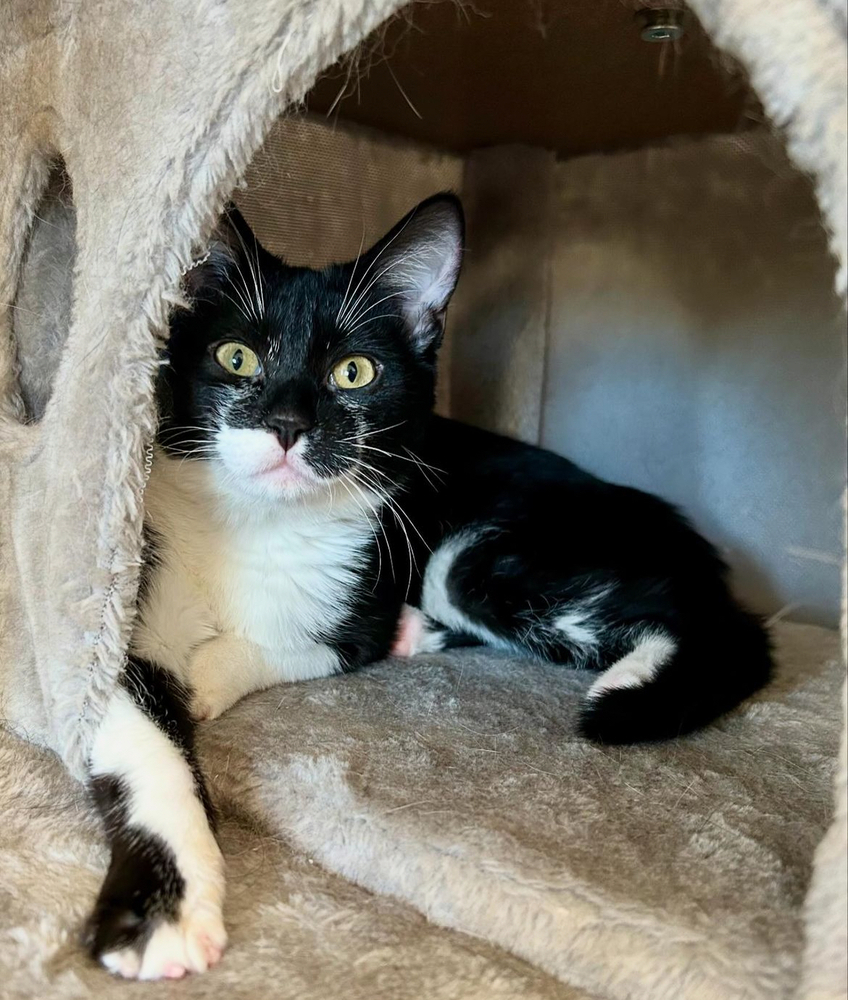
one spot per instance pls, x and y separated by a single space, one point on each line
291 382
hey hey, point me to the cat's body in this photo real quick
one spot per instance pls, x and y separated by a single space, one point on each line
302 493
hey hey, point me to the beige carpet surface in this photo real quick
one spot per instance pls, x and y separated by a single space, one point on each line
456 783
452 786
297 931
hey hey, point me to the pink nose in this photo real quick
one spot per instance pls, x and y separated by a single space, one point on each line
288 428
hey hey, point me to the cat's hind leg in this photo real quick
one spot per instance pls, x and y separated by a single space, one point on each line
159 912
488 588
673 651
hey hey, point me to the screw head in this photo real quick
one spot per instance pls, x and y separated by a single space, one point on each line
661 25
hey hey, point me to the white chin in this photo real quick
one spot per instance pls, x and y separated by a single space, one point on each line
255 466
285 481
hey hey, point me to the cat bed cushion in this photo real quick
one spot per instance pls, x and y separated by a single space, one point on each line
455 783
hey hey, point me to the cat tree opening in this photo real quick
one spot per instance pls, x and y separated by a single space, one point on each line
640 256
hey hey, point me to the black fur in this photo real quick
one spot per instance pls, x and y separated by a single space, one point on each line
165 700
143 885
554 533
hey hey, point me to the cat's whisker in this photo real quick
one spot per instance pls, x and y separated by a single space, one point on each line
200 445
438 473
371 319
190 454
179 428
411 555
399 514
345 479
255 274
378 430
247 293
351 315
172 432
352 274
379 473
380 254
410 255
245 308
186 427
240 308
261 280
412 457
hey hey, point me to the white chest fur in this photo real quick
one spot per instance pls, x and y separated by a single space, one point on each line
280 578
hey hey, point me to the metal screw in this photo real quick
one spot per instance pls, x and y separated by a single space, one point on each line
661 25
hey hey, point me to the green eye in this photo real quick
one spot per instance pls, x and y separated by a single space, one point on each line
237 359
354 372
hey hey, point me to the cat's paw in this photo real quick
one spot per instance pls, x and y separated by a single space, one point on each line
416 633
169 949
158 917
221 671
209 703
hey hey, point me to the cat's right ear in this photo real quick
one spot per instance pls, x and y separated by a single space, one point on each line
227 247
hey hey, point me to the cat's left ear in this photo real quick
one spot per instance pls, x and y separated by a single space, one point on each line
230 243
417 265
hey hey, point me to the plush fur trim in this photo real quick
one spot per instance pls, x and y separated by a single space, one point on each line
795 54
144 197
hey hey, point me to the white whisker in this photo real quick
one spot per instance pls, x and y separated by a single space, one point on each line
351 315
255 274
380 254
379 430
345 479
371 319
352 274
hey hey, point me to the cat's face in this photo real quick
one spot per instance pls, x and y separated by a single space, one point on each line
293 382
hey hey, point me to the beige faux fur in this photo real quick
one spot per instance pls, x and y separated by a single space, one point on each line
156 108
297 931
455 784
797 57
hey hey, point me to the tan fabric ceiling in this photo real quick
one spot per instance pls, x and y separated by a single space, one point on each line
455 74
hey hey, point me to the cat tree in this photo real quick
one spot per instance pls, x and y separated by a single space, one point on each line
156 111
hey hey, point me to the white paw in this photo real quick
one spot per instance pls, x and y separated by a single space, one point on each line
221 671
193 944
414 634
210 703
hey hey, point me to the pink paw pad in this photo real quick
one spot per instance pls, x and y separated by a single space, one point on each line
411 632
213 952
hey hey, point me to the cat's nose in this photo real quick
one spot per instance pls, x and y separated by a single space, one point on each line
288 427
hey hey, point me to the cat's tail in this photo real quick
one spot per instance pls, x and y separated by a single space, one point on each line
670 685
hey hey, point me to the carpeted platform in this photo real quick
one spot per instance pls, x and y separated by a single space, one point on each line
453 786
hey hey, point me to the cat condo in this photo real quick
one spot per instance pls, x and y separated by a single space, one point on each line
653 286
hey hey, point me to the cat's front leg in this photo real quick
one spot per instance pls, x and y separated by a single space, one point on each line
158 914
226 668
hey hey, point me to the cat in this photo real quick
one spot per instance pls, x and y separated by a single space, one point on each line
307 514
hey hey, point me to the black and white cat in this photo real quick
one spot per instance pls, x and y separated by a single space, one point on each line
306 515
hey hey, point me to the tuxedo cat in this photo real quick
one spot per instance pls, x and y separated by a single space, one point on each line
306 514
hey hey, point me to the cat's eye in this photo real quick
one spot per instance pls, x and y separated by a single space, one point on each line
354 372
238 360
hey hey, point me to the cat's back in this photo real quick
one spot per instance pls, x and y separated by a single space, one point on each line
467 452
